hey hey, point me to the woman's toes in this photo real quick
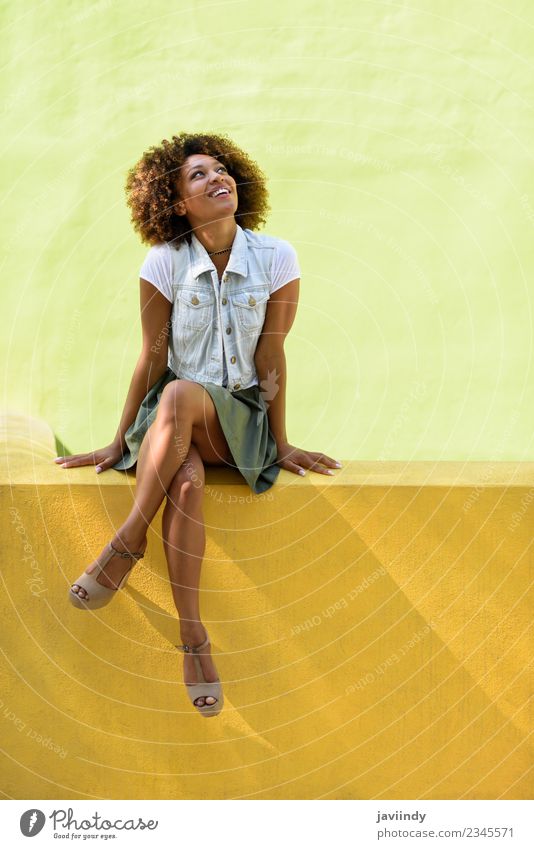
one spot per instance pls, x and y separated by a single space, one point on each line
210 700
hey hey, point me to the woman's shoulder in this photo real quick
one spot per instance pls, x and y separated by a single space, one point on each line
162 264
282 257
166 255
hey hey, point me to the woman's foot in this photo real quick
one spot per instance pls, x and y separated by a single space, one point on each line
193 636
114 570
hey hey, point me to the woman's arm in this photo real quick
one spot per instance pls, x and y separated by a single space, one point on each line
151 364
269 358
270 363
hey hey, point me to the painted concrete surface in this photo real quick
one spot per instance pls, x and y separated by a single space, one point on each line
372 632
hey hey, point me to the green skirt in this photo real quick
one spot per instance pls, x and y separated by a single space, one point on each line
244 422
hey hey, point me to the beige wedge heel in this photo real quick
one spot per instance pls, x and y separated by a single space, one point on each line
202 690
98 595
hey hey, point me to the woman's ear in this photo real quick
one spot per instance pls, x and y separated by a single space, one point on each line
179 208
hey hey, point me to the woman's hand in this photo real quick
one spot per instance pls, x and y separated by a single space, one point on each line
102 458
297 460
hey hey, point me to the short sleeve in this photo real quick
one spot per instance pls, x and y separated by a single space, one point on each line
157 269
285 265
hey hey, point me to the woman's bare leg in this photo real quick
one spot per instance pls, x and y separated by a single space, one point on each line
185 410
184 541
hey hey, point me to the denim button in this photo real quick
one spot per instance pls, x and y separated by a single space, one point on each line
228 329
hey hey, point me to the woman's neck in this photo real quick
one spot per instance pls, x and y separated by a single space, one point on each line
217 235
220 262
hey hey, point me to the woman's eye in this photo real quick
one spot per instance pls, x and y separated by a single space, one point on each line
219 168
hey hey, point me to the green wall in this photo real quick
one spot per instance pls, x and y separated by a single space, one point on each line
398 142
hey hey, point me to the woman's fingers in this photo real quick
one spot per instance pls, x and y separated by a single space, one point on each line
290 466
299 468
325 460
305 460
314 461
105 464
297 461
102 458
316 468
76 460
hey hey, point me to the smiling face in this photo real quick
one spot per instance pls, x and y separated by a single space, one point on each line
207 191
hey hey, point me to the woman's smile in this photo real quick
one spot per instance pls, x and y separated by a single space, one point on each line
222 191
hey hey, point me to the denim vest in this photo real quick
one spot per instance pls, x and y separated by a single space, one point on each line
212 320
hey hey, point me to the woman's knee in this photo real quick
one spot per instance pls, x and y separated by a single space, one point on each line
184 401
175 396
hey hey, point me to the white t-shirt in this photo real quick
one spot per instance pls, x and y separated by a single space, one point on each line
157 267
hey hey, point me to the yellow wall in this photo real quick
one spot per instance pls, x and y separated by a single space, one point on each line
371 632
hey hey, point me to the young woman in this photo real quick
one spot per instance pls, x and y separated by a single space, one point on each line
217 301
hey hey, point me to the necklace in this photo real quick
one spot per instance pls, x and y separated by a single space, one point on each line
212 253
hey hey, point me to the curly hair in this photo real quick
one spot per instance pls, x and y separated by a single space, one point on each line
152 186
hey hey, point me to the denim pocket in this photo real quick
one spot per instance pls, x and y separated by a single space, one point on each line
250 306
195 308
